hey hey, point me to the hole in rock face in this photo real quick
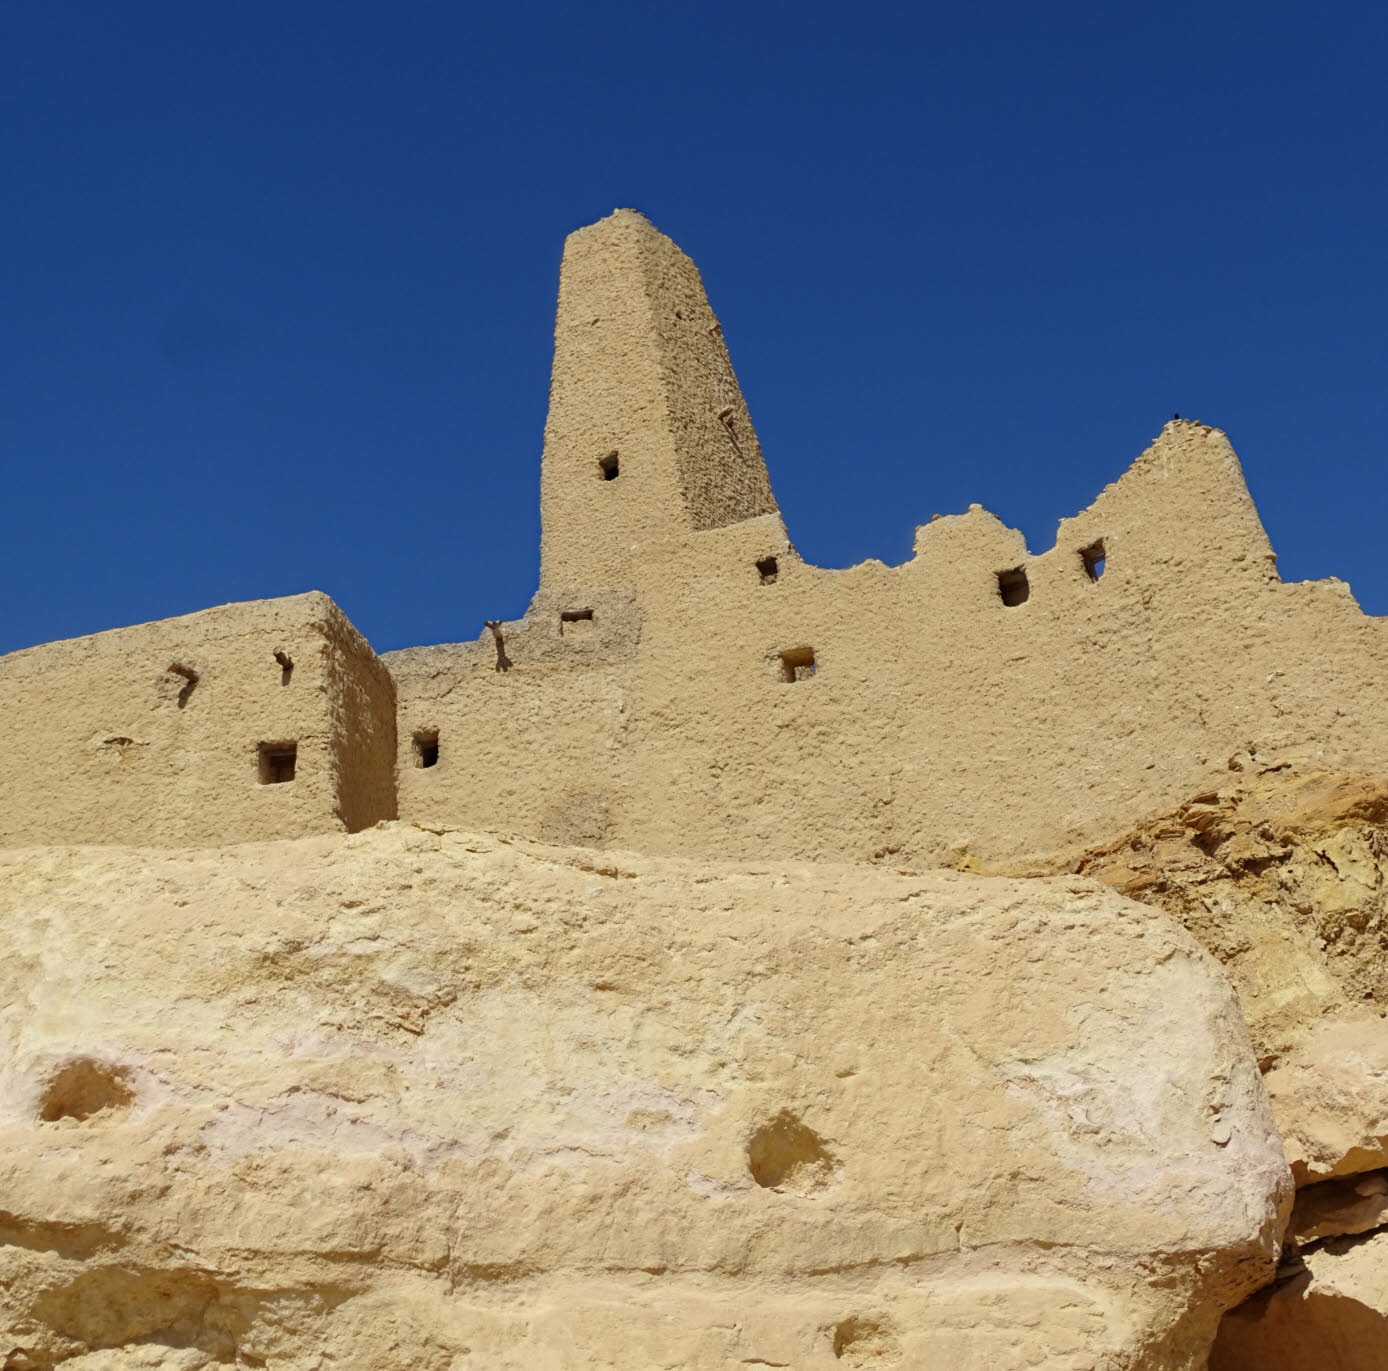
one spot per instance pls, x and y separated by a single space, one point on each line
83 1089
768 570
1094 558
865 1340
609 466
784 1154
1013 586
572 621
426 748
797 664
277 762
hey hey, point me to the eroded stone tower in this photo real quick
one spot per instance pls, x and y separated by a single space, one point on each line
648 436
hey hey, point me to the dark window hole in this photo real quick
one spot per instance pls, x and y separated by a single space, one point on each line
575 621
609 467
426 748
1013 586
768 570
1093 558
277 761
797 664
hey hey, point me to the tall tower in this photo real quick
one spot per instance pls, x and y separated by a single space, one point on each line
648 435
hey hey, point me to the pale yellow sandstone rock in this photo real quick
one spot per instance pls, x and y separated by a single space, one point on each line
414 1099
1330 1098
1282 874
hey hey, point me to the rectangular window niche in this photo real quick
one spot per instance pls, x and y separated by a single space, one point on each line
796 664
276 762
426 747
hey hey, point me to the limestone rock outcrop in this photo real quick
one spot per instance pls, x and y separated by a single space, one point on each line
423 1099
1283 875
1330 1311
1330 1096
1334 1209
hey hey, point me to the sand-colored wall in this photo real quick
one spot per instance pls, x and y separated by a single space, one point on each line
941 725
360 700
640 373
641 702
107 742
540 743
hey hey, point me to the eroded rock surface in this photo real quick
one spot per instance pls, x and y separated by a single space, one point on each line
1333 1209
415 1099
1329 1314
1283 876
1330 1098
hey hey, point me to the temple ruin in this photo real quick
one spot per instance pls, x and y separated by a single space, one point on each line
683 683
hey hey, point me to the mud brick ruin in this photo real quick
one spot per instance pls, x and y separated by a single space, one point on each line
683 683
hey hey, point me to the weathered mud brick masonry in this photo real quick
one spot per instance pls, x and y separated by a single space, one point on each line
683 683
265 720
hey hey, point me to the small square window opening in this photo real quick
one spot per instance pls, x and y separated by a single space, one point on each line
768 570
797 664
426 748
276 762
609 466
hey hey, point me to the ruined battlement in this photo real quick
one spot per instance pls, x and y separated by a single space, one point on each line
683 682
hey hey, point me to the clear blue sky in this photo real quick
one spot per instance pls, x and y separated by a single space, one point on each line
277 281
